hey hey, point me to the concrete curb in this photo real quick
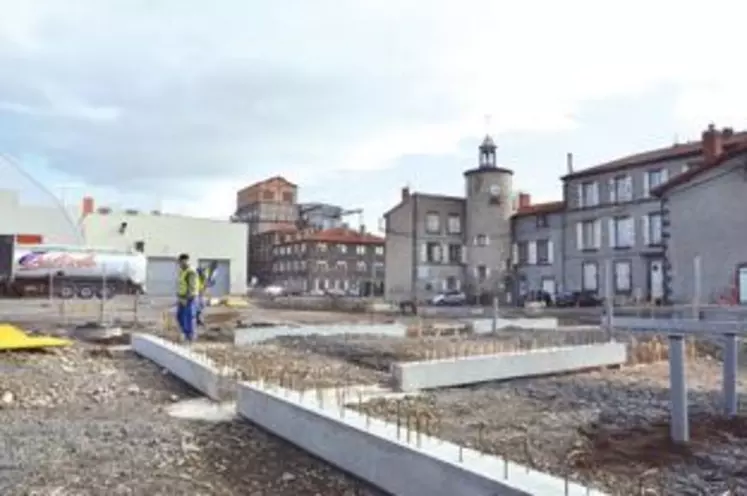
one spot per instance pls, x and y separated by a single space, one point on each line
249 336
194 368
414 376
373 450
483 326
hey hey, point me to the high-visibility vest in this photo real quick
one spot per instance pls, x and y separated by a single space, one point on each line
188 277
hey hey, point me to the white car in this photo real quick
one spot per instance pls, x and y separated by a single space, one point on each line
274 290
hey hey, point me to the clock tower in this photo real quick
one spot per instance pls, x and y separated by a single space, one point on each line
488 210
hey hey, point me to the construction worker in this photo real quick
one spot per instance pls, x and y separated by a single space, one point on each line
187 298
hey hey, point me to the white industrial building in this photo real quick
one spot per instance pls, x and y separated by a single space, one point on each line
161 237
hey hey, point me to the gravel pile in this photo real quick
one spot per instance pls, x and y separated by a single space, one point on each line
83 421
296 369
605 428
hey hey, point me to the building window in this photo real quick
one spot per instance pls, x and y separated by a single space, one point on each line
482 273
342 248
342 265
379 270
523 248
655 178
589 279
589 194
622 189
543 251
622 234
455 224
623 276
433 253
321 247
481 240
361 266
287 197
654 229
542 221
455 254
321 266
360 249
589 235
268 195
452 283
379 250
433 222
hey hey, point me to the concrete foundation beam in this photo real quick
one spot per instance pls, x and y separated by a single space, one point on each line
194 368
248 336
482 326
382 454
413 376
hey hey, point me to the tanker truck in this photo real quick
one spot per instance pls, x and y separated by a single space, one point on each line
71 271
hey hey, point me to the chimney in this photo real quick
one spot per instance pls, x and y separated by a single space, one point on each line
569 162
405 193
727 132
525 200
88 206
362 229
712 144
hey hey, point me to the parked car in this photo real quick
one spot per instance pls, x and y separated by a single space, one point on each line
578 299
275 290
449 298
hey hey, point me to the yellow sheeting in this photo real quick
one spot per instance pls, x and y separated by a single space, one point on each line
12 338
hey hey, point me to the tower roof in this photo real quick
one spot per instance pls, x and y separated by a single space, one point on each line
488 143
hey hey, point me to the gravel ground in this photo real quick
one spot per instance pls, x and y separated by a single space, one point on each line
295 369
607 428
82 421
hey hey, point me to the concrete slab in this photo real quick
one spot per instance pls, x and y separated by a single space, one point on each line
248 336
375 451
192 367
482 326
413 376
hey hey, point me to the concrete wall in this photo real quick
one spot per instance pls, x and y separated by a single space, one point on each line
168 235
46 219
252 335
414 376
707 218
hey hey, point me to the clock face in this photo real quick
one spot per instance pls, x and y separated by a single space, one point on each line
495 190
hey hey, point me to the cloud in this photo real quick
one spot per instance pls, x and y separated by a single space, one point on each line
135 93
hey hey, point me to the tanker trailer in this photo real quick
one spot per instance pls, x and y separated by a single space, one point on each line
76 271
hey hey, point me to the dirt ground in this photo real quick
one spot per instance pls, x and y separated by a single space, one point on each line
82 421
605 428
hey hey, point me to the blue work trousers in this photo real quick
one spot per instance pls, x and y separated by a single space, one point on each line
185 317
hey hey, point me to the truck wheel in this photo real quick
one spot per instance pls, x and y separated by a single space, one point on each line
66 292
86 292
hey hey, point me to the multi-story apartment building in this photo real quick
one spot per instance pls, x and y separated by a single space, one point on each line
608 218
435 242
268 206
337 259
612 216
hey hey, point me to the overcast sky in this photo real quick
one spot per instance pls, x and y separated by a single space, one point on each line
180 103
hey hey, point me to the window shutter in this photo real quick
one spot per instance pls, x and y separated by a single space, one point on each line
464 254
458 284
597 234
628 188
645 184
645 230
445 254
424 252
664 176
595 193
580 195
487 240
550 249
515 253
685 168
532 253
444 285
580 236
611 232
631 228
611 191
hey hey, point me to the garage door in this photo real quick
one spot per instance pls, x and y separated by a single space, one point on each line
162 274
222 285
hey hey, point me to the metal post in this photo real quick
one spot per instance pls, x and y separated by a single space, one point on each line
679 421
697 275
495 313
608 297
51 285
104 294
730 374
